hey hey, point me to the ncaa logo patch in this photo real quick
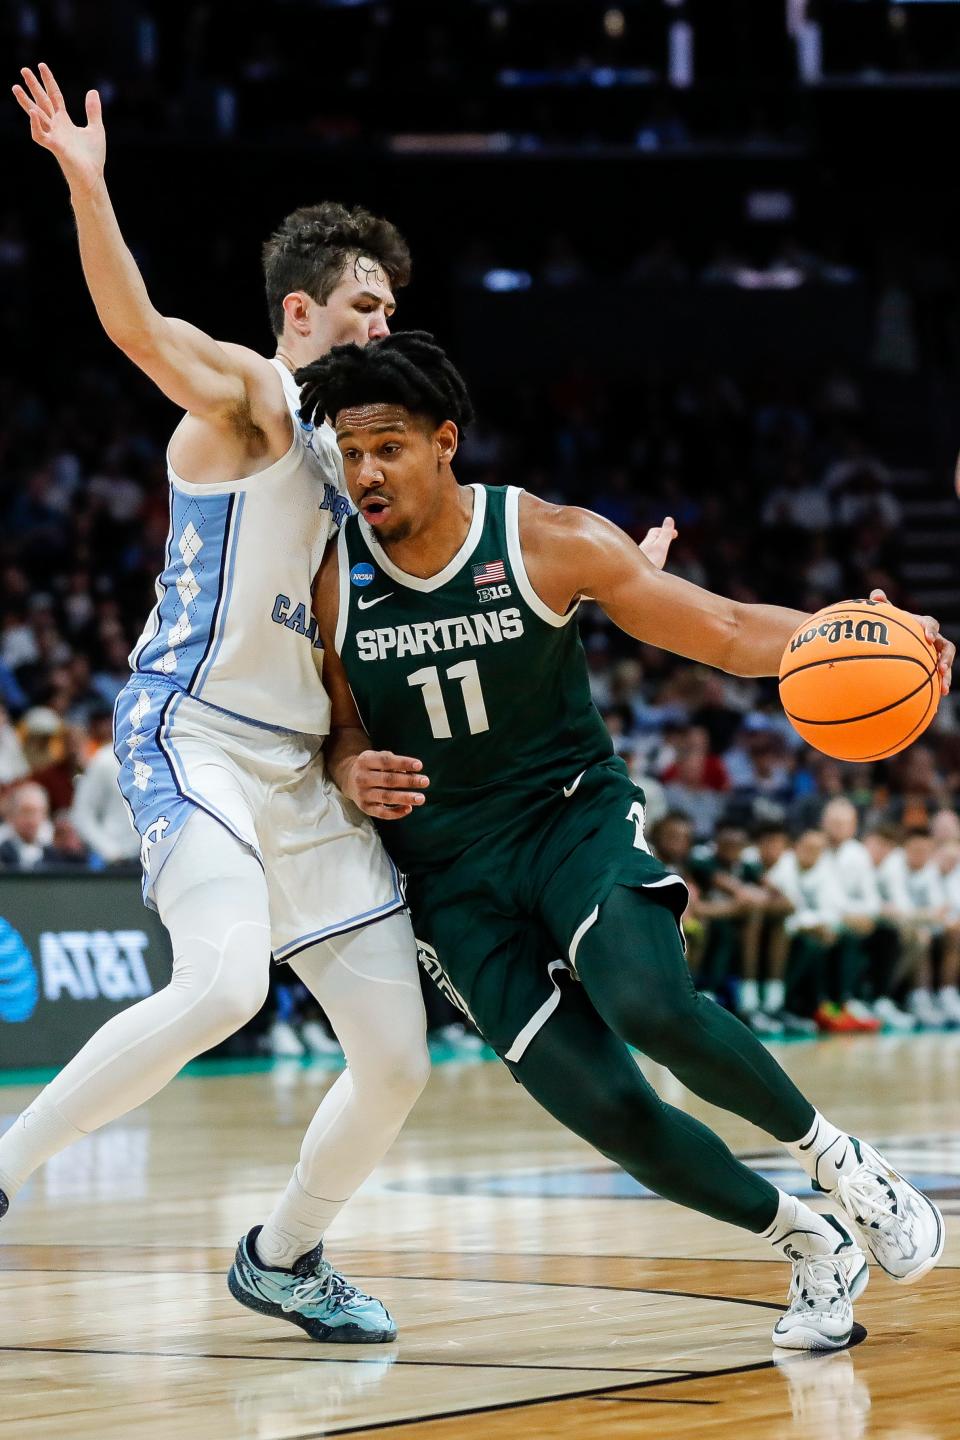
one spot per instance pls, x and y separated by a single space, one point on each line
19 984
362 574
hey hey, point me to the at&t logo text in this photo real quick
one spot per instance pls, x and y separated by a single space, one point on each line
94 964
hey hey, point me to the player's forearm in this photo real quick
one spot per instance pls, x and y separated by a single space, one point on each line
758 638
116 286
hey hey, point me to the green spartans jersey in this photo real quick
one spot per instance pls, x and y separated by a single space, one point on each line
530 819
470 672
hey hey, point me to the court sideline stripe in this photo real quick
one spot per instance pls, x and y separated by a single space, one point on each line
603 1392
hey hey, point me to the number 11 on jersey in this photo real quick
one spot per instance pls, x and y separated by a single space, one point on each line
428 681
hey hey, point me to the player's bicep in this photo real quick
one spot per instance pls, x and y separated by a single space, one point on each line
193 370
650 604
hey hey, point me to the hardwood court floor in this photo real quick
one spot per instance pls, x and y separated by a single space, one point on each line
536 1293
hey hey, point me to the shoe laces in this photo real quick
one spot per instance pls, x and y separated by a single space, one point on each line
323 1283
818 1278
865 1195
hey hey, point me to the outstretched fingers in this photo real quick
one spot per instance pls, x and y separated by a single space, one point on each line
40 97
51 86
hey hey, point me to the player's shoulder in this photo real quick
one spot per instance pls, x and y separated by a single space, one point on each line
547 518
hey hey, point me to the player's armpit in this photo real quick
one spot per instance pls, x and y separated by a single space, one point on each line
227 386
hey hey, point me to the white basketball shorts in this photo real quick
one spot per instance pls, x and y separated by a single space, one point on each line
326 870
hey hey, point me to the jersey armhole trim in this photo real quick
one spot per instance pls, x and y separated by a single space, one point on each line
515 552
343 574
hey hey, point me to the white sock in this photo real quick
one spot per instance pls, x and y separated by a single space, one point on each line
774 995
41 1131
298 1221
948 992
797 1227
825 1153
748 996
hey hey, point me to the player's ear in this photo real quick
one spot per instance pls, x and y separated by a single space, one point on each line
446 438
296 308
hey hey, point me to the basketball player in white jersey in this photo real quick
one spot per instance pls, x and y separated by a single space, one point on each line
247 848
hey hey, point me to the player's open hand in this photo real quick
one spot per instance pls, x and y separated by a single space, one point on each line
80 150
657 541
946 650
385 785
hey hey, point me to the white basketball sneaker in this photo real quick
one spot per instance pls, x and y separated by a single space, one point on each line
902 1229
819 1313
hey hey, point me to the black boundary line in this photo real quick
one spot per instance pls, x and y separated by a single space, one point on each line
605 1393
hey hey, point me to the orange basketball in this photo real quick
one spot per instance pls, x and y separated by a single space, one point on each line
859 680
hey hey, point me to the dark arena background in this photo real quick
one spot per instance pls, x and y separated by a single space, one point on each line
697 259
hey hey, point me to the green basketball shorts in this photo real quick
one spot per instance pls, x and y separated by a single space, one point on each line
499 926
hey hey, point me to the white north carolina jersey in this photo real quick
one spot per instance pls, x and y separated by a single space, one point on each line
232 625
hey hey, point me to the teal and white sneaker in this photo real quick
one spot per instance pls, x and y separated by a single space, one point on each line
312 1295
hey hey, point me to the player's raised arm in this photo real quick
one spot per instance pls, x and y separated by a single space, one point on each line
381 784
209 380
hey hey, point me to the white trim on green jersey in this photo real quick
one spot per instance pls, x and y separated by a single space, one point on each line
511 515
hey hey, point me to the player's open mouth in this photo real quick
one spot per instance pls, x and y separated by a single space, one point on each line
375 510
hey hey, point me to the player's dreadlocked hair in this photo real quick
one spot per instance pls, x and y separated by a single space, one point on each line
407 369
313 245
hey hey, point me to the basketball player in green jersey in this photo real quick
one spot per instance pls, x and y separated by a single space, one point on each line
447 614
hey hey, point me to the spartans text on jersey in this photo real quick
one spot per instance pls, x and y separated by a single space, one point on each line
436 635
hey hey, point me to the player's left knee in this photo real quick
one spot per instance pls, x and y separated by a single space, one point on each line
398 1068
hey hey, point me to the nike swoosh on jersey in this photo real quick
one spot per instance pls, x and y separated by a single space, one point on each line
569 789
363 604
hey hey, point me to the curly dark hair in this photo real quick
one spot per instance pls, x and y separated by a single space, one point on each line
408 369
313 245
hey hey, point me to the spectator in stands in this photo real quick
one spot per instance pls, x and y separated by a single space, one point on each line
733 904
68 847
25 845
671 839
869 950
51 749
806 876
938 933
695 781
13 763
762 995
99 813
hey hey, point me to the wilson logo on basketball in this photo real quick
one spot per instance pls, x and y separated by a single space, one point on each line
867 632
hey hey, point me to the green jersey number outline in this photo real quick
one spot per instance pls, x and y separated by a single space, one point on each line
427 681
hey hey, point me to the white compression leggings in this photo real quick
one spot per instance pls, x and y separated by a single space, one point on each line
212 896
